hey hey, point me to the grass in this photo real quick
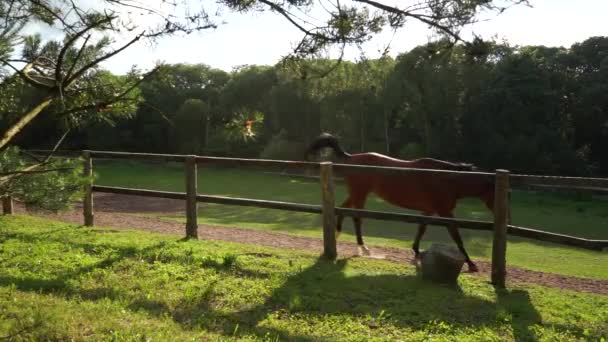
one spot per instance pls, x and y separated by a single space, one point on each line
585 216
63 282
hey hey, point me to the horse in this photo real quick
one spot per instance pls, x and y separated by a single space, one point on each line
428 193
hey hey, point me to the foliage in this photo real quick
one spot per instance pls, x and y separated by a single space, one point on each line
56 184
64 282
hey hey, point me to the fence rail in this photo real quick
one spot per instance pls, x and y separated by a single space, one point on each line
578 183
514 179
247 202
502 179
368 214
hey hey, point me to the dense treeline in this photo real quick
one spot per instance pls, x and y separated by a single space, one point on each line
529 109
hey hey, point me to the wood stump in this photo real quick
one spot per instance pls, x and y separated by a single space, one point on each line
441 263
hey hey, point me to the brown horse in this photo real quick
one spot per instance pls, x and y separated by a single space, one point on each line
431 194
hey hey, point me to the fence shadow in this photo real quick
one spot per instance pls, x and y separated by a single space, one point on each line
516 306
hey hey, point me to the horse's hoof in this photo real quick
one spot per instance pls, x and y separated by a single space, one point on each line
366 251
363 250
473 268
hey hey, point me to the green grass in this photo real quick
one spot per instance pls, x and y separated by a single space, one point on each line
583 217
63 282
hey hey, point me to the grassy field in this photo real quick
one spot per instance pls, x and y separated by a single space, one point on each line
63 282
584 216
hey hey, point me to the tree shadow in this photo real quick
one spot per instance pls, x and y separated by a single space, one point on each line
60 282
325 289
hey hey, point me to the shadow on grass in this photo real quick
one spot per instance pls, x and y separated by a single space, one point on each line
60 283
324 289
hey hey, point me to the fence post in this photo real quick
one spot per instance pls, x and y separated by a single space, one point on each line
501 217
328 211
7 205
191 192
87 203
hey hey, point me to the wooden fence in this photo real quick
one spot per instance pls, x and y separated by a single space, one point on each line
502 179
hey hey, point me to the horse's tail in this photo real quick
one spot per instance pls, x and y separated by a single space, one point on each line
327 140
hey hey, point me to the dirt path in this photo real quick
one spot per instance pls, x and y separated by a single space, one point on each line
117 211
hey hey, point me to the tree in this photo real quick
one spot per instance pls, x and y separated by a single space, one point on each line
425 91
588 67
187 128
66 79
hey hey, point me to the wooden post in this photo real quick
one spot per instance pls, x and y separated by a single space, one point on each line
328 211
191 192
87 203
7 205
501 210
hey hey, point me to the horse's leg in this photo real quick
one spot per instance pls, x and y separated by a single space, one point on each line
340 218
358 203
453 230
361 247
419 234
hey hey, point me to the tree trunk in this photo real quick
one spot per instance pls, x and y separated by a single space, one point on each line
362 123
388 150
205 143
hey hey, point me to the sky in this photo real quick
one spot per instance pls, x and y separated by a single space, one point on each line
263 38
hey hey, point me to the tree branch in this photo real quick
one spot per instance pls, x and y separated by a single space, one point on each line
421 18
13 174
114 100
284 13
52 13
27 172
70 42
23 74
59 142
95 62
23 121
84 44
